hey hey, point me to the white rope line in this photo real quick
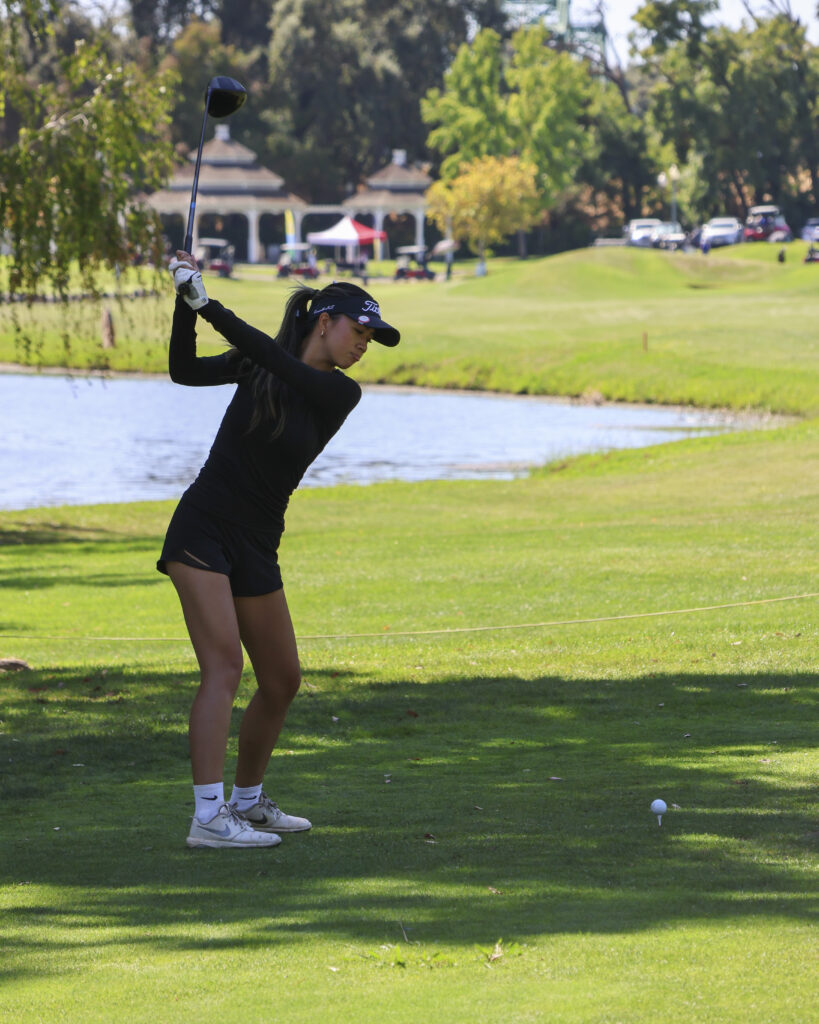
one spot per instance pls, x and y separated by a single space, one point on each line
441 632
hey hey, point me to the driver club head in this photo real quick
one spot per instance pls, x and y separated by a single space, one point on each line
224 96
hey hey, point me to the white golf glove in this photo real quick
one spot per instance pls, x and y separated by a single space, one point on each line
188 283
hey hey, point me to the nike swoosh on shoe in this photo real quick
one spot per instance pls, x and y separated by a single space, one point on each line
216 831
256 821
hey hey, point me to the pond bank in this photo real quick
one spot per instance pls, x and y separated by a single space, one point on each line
746 419
79 439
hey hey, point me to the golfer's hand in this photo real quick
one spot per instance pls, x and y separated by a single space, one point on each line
186 258
188 280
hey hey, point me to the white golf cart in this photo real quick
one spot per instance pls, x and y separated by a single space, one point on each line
298 259
411 263
215 254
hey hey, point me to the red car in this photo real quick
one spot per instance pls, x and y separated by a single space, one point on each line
766 223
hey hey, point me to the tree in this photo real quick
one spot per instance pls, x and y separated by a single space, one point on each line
747 109
84 139
345 79
424 36
528 101
667 22
159 21
547 111
245 24
196 55
469 114
619 168
327 74
490 199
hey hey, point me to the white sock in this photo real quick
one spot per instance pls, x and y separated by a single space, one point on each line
245 797
208 800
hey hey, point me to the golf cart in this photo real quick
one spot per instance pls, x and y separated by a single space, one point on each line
411 264
766 223
297 259
215 254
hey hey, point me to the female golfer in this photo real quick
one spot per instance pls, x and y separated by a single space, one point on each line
220 549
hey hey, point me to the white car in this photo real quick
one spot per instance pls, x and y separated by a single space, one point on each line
810 232
668 235
722 231
639 231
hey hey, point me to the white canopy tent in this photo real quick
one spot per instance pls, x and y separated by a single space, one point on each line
346 232
350 235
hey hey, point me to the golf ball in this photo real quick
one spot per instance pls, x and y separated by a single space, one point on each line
658 807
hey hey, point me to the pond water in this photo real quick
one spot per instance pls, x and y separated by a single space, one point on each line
88 440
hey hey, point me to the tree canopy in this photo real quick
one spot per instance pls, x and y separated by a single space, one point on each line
487 200
92 108
84 138
346 77
744 107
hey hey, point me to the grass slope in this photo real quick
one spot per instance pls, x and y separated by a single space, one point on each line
483 849
732 329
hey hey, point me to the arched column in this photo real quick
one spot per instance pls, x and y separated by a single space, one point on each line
419 227
252 236
378 224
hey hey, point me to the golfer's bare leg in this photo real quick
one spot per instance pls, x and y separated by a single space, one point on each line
210 616
267 633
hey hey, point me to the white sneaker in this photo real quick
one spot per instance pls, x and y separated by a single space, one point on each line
228 829
265 816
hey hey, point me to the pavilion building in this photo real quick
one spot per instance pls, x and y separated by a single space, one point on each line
233 186
397 189
248 204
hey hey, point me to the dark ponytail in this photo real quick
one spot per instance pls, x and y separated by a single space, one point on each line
269 396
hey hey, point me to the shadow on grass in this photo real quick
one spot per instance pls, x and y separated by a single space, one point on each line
72 553
111 580
454 811
22 532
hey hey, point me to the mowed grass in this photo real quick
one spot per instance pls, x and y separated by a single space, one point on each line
734 328
483 847
628 324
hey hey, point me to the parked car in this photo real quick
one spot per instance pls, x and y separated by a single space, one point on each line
668 235
638 232
215 254
766 223
721 231
810 232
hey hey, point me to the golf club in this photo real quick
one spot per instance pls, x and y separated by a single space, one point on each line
223 97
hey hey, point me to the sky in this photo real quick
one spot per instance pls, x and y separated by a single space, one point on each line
731 13
618 14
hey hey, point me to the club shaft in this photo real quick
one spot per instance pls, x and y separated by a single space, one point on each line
195 187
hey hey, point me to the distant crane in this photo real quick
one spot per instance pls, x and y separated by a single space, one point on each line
556 16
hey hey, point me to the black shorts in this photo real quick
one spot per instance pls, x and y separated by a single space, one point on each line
247 557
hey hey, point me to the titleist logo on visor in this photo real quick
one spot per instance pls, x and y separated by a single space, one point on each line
354 305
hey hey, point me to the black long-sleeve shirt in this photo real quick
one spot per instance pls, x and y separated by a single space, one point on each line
248 477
